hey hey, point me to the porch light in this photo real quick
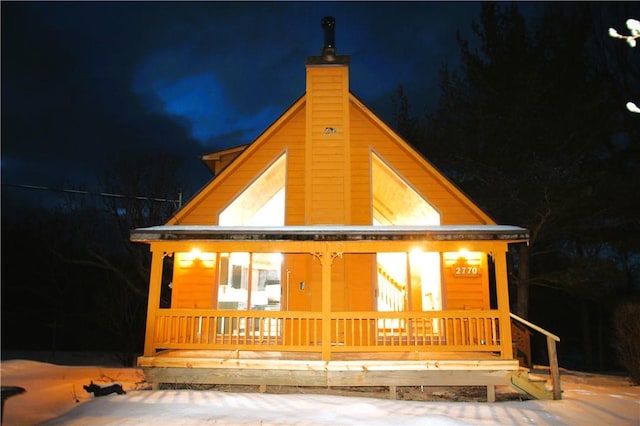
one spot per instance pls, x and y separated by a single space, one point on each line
207 258
416 251
463 263
463 253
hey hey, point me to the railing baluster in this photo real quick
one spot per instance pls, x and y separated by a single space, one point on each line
351 331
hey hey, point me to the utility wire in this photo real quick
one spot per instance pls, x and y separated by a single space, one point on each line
99 194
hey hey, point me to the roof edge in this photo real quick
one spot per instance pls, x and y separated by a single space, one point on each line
331 233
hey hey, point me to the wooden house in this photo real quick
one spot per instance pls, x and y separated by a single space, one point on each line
329 252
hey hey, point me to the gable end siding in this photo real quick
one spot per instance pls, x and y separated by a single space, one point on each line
367 133
221 191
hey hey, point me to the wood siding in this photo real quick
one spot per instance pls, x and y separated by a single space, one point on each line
368 133
327 146
193 284
287 134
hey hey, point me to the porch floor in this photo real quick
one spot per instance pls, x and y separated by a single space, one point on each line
219 358
346 369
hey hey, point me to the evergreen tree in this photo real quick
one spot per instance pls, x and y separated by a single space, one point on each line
531 128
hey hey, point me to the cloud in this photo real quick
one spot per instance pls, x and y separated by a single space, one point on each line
81 78
202 100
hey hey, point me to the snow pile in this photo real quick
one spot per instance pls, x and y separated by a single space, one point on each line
55 397
52 390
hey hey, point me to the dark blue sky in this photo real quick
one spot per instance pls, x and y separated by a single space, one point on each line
83 82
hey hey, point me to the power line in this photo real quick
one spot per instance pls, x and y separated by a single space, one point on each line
98 194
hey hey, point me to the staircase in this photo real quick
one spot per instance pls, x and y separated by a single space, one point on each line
533 385
391 293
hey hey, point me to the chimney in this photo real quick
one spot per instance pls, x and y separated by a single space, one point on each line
328 55
327 134
329 47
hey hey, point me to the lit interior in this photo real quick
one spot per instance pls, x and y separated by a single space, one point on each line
252 280
262 202
395 202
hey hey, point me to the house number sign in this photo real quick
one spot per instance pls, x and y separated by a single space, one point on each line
463 269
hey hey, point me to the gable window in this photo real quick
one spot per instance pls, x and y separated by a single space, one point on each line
395 202
262 202
253 280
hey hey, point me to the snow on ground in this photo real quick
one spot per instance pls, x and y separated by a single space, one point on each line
54 396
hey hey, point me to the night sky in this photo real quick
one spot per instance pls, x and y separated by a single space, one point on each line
86 82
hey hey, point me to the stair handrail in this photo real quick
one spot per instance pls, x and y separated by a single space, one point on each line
553 354
535 327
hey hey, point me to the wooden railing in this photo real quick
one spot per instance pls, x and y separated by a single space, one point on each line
551 350
521 338
349 331
391 292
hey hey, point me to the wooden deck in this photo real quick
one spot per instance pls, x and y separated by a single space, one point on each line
348 369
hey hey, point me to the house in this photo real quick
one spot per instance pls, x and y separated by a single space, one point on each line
329 252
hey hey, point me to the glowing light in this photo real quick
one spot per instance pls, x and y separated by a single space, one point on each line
188 259
633 107
471 257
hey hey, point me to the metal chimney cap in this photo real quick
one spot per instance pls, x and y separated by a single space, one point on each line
328 56
329 48
328 25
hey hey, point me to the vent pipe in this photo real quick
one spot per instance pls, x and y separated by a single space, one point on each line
329 48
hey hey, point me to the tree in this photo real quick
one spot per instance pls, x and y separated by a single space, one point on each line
527 127
147 184
71 277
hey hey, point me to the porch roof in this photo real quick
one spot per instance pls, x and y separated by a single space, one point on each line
331 233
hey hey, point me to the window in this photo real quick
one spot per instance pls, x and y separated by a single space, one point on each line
253 280
395 202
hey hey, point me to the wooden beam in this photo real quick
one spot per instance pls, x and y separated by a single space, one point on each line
553 367
153 304
391 378
502 294
326 259
286 246
339 367
491 393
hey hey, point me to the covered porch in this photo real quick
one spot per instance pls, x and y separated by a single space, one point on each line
327 347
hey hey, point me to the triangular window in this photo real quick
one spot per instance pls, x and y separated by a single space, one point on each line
262 202
253 280
395 202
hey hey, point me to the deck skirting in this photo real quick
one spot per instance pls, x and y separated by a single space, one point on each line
165 369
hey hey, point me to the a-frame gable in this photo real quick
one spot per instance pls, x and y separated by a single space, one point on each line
368 134
283 135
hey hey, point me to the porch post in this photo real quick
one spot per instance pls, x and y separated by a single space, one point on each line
502 295
326 259
155 282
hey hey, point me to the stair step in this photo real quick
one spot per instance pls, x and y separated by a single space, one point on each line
534 378
534 386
